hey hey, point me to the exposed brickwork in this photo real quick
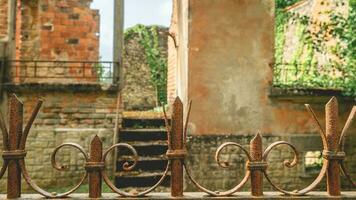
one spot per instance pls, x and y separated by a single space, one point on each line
172 56
61 30
66 30
3 18
139 93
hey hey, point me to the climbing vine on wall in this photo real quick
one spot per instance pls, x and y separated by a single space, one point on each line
149 39
303 69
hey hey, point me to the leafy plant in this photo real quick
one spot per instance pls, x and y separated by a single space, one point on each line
338 73
149 39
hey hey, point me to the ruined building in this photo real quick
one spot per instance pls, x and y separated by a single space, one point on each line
51 51
221 56
223 62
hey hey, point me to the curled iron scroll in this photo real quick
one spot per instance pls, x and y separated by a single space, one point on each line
342 146
223 164
291 164
57 166
127 167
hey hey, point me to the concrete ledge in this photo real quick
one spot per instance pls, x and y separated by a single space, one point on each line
308 95
73 87
198 195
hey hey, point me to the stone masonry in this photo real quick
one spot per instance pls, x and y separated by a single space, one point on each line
139 93
73 110
207 172
66 116
229 79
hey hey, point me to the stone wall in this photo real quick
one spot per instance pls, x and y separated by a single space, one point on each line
230 73
67 115
229 80
139 93
207 172
3 18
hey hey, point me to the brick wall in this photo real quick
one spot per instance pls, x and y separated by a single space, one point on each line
139 93
3 18
172 56
66 116
58 30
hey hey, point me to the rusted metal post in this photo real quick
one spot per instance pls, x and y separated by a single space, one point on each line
256 173
15 132
94 167
176 154
332 138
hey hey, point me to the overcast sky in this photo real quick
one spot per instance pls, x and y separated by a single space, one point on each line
148 12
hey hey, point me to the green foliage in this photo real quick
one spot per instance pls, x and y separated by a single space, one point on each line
303 70
148 38
282 4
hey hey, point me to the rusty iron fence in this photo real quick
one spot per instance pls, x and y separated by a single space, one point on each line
257 159
82 71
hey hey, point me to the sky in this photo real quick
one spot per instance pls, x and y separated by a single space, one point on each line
147 12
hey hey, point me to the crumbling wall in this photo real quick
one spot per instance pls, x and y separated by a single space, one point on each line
3 19
139 93
230 72
318 12
67 115
206 171
65 30
173 55
59 30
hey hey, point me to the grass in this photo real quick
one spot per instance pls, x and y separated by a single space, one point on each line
82 189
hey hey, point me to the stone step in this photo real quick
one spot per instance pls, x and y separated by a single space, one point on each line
144 164
146 149
153 173
146 179
143 123
149 138
145 134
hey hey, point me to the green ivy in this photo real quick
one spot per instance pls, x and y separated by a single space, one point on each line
149 39
306 73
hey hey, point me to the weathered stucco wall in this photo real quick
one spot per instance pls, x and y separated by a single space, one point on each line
229 73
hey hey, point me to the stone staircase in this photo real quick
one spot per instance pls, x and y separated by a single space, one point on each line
149 137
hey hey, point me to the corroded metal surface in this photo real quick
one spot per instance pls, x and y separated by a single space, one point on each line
94 167
256 173
332 138
177 145
15 133
14 153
